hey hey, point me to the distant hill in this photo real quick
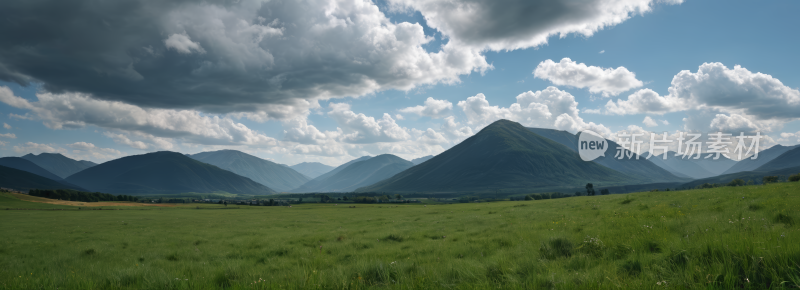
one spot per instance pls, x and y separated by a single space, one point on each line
24 181
27 166
660 163
163 172
687 166
364 173
312 169
716 167
763 157
503 156
320 181
421 159
275 176
640 168
58 164
756 176
788 159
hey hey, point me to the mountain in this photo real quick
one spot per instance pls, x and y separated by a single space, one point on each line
788 159
763 157
755 176
421 159
363 173
639 168
504 155
319 181
275 176
716 167
687 166
163 172
312 169
660 163
58 164
27 166
23 181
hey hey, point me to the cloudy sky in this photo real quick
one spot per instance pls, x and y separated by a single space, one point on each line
329 81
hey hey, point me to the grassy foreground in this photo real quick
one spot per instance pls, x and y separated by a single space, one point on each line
721 238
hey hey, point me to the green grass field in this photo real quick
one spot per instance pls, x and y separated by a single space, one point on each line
721 238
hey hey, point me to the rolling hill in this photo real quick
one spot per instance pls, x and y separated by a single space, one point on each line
503 156
421 159
58 164
163 172
364 173
763 157
275 176
320 181
27 166
639 168
23 181
788 159
312 169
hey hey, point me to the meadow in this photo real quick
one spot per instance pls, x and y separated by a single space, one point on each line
720 238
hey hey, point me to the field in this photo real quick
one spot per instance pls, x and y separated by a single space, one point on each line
721 238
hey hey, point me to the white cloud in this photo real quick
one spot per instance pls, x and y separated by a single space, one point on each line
645 101
8 135
183 44
649 122
608 81
399 117
717 88
358 128
84 150
790 137
602 52
518 24
665 122
433 108
6 125
36 148
548 108
72 110
124 140
20 117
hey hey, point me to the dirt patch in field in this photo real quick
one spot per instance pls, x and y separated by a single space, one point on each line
26 197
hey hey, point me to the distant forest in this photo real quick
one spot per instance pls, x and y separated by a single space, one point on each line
74 195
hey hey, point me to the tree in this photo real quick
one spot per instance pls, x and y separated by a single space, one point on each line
770 179
271 202
794 178
736 182
225 203
604 191
528 197
300 200
589 189
398 196
344 198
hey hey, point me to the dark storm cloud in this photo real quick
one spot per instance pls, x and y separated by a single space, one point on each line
514 24
218 56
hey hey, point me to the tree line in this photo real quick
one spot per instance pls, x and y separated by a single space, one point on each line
74 195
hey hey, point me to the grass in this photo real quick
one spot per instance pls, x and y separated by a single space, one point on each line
699 239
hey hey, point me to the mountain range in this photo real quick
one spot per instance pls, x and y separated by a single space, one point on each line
421 159
275 176
640 168
749 164
23 181
363 173
27 166
163 172
504 155
312 169
320 181
788 159
58 164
